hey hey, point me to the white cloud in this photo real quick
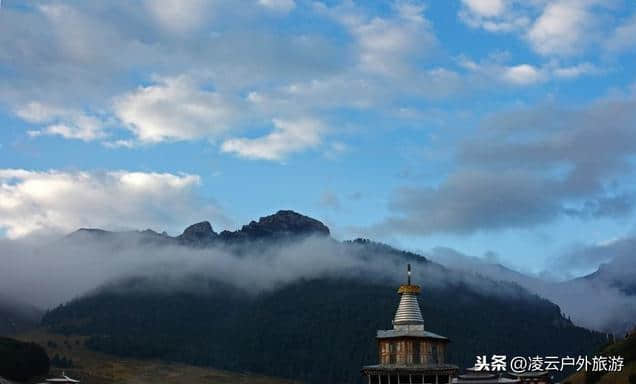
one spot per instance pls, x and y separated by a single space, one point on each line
174 109
576 71
493 69
623 38
336 149
121 143
278 5
70 124
551 28
383 66
289 136
560 30
347 90
523 74
60 201
493 15
485 7
385 45
179 15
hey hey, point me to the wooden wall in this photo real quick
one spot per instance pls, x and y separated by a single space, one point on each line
403 351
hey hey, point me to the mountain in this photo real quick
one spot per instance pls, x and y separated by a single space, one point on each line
16 316
120 238
315 330
492 270
619 273
284 224
316 320
604 300
199 233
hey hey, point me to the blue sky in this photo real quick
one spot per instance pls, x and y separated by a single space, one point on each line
482 125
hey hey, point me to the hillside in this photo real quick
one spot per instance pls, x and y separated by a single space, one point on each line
310 330
625 348
21 361
100 368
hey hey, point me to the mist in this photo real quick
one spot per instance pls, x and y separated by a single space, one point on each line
46 272
590 303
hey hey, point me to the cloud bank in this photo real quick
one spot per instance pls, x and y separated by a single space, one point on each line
50 271
62 201
528 167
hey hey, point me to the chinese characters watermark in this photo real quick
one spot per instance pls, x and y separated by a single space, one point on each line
522 364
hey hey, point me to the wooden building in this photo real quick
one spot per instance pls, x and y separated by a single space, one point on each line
541 377
472 376
409 354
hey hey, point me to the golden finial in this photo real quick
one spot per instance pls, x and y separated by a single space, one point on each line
408 287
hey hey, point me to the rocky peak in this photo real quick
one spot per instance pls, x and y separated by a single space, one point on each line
199 232
281 224
288 222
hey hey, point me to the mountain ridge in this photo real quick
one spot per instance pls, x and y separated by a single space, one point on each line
281 225
313 325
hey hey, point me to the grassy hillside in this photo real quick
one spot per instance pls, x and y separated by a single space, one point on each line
100 368
625 348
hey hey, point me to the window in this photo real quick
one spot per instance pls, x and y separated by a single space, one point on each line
434 359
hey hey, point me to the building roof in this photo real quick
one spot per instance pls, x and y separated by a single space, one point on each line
391 333
473 375
532 374
63 379
481 379
410 369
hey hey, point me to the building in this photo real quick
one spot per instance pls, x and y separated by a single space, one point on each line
472 376
540 377
409 354
61 380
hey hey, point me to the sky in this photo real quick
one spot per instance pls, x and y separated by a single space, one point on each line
502 129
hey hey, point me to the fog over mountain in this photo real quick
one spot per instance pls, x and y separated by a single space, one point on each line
47 272
604 300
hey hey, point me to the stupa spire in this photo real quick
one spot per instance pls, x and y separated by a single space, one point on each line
408 314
